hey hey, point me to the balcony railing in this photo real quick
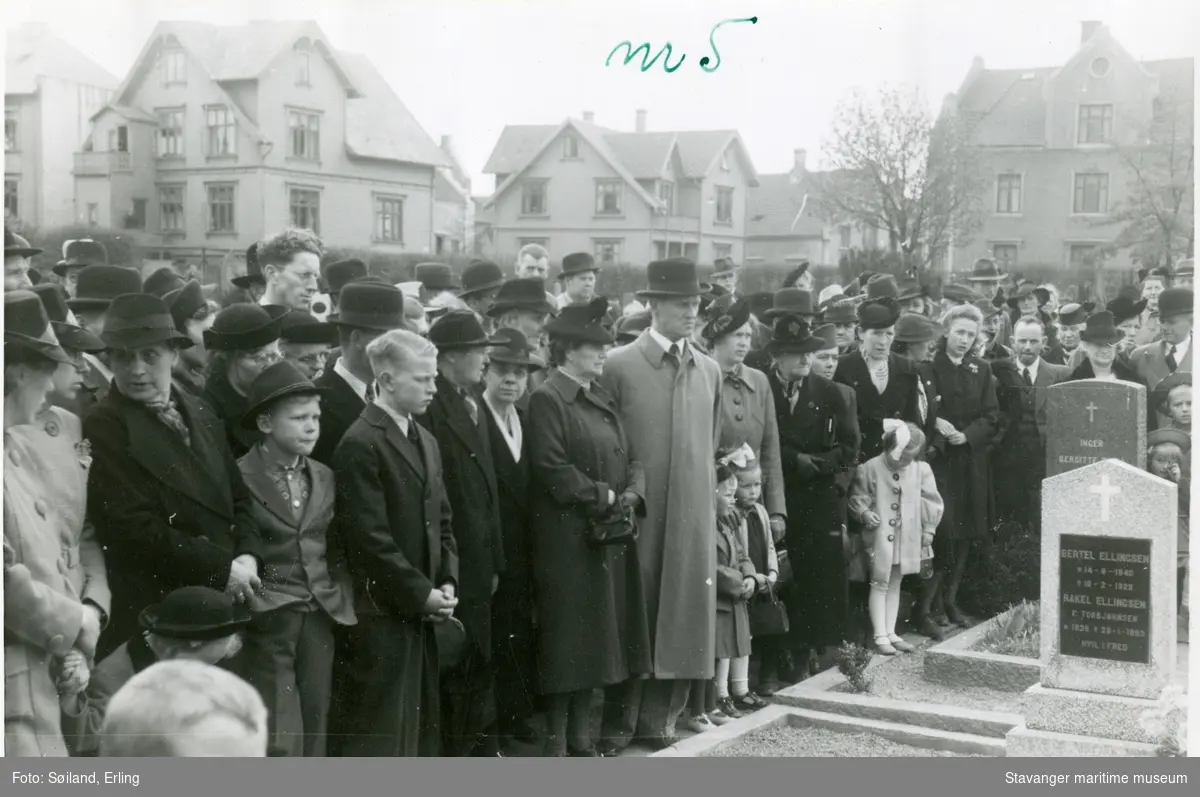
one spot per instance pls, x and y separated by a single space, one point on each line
101 163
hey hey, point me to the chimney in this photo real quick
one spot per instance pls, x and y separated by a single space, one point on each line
799 160
1088 30
588 116
641 121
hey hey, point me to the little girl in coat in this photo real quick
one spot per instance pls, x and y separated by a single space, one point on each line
896 499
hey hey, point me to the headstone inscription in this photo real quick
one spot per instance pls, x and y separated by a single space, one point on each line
1091 420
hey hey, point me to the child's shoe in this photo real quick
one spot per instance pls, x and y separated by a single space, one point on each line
748 702
718 717
700 723
883 646
726 706
899 644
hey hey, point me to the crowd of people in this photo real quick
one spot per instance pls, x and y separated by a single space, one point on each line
464 518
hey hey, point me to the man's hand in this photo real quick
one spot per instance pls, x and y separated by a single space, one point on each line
89 631
957 438
243 578
449 590
438 605
945 427
778 528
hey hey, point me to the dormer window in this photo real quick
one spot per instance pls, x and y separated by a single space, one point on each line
571 147
173 66
1101 67
303 63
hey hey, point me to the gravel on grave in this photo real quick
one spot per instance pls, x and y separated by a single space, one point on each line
785 741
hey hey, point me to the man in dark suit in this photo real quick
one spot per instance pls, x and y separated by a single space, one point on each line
164 492
456 419
365 311
395 520
97 286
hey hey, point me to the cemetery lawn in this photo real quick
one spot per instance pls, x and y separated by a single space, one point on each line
785 741
1017 633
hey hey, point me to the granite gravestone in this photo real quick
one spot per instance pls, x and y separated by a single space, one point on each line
1092 420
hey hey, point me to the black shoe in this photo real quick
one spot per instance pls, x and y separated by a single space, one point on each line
927 627
748 702
657 741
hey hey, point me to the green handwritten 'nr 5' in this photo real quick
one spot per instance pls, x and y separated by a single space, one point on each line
665 53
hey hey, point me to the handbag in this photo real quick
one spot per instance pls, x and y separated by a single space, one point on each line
615 527
768 615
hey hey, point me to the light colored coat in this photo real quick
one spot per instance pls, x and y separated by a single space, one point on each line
672 420
920 511
748 416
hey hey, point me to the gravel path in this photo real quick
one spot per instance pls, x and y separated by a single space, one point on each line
790 742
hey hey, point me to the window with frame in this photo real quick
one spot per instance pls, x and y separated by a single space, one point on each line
1095 124
10 131
305 139
11 198
1005 255
1091 193
609 196
844 236
666 195
722 250
170 133
137 215
305 206
571 146
303 66
533 198
221 207
1008 193
222 131
118 139
724 205
389 219
608 250
174 66
170 208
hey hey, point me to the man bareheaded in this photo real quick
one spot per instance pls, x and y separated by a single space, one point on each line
533 262
291 266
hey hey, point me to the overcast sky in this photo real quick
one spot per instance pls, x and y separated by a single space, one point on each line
468 67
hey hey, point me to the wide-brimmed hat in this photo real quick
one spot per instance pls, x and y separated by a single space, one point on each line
1162 391
301 327
253 275
985 270
459 329
842 311
163 281
513 348
914 328
585 323
723 267
1159 272
726 315
1101 328
1175 301
135 320
790 301
70 335
369 305
16 246
522 293
964 294
882 286
79 253
479 277
828 295
450 639
435 277
909 289
675 277
827 334
629 327
342 272
878 313
184 302
792 334
1023 292
245 327
1170 434
28 336
1124 308
195 613
281 380
578 263
1072 314
98 285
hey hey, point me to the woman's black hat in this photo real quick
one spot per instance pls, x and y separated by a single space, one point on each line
1124 308
28 336
583 323
135 320
1072 314
253 275
1162 391
842 311
513 348
70 336
793 335
878 313
458 329
525 293
1023 292
675 277
80 253
98 285
301 327
244 327
480 276
1101 328
726 315
369 305
163 281
195 613
281 380
185 302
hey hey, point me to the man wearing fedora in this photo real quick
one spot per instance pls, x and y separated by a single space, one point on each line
394 520
366 310
481 281
668 396
1071 321
1153 362
193 623
95 290
76 255
306 342
252 282
193 316
437 280
524 305
164 492
340 274
840 313
456 419
17 256
985 277
291 267
725 275
1184 273
579 272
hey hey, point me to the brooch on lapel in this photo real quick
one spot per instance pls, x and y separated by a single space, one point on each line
973 368
84 450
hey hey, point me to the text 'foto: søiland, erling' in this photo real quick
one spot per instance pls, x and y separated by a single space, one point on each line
707 64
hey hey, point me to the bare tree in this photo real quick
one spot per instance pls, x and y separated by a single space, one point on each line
1157 215
897 169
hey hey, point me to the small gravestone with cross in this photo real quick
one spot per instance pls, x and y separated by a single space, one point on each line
1090 420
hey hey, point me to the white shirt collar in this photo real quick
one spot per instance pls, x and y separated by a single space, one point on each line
401 420
1181 349
661 340
99 366
503 420
357 385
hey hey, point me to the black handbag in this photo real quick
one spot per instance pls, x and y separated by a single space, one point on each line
615 527
768 615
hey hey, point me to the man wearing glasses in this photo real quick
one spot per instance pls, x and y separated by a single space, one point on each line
291 266
306 342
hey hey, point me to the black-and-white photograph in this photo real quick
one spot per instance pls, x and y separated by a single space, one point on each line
529 379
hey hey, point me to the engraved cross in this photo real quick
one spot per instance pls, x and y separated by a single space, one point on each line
1106 491
1091 408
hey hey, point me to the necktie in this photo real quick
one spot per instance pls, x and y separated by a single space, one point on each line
1172 364
414 436
1028 379
673 353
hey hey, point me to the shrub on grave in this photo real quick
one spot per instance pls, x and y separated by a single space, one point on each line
1004 569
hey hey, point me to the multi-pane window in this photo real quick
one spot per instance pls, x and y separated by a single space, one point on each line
571 146
608 250
1008 193
221 207
533 198
305 139
170 208
221 130
10 199
10 132
666 195
305 205
170 133
118 139
1091 193
389 219
173 66
724 205
1095 124
609 195
1005 255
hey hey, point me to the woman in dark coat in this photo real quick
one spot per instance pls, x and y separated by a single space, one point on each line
1099 342
591 612
968 417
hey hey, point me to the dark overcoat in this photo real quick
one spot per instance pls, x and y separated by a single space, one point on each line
591 612
898 400
340 407
230 406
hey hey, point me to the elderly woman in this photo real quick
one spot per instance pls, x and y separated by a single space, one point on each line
169 503
591 612
44 619
1099 340
968 418
1172 398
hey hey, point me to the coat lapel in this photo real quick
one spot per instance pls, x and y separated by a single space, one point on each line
391 432
263 487
320 494
458 418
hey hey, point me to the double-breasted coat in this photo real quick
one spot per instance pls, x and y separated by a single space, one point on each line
908 504
168 514
748 416
591 611
898 399
671 414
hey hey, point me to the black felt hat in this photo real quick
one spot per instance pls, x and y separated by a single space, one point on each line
790 301
524 293
195 613
1072 314
480 276
1175 301
882 286
253 275
341 273
915 328
244 327
98 285
878 313
369 305
163 281
726 315
28 336
281 380
985 270
184 302
629 327
513 348
70 336
135 320
1124 308
1101 328
675 277
584 323
79 253
827 334
301 327
910 289
725 267
435 277
1022 292
793 335
578 263
459 329
16 246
